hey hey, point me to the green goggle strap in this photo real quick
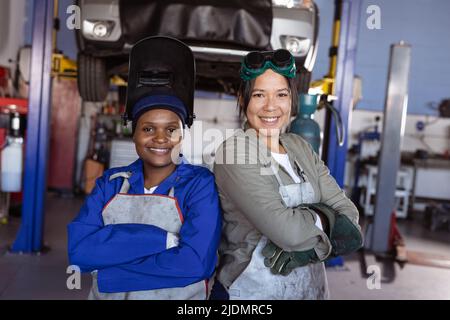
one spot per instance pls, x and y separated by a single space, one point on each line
250 73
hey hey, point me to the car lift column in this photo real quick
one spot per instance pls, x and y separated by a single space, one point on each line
348 38
393 128
29 238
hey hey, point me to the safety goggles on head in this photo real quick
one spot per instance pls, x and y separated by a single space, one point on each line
256 63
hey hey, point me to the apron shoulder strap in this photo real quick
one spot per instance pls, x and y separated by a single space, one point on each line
275 172
125 185
300 169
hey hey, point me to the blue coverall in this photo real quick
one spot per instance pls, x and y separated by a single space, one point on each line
132 257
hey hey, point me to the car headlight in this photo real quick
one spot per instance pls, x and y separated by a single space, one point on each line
97 29
296 45
299 4
100 30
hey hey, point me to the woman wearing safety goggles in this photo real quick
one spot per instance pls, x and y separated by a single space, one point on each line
284 214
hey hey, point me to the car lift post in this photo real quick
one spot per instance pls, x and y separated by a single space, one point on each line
346 57
346 22
30 236
393 129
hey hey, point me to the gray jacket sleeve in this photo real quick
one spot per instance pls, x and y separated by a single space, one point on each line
330 192
256 198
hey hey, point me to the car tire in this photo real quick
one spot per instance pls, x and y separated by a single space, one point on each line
93 80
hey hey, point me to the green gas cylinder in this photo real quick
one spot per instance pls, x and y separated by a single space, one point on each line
304 124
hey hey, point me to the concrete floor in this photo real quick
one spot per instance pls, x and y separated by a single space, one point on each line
44 276
41 276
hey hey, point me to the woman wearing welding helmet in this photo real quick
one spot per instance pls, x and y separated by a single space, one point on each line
151 230
283 212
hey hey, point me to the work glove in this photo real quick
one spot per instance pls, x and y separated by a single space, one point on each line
283 262
344 235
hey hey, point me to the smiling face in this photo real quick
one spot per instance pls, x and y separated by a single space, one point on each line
157 137
269 108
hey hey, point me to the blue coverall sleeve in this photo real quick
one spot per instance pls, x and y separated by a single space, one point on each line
92 245
193 260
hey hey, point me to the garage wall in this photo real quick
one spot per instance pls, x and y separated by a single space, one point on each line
12 22
435 138
65 39
421 23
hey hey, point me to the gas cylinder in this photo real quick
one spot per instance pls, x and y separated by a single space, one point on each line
12 158
304 124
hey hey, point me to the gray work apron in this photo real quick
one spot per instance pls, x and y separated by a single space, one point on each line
258 283
158 210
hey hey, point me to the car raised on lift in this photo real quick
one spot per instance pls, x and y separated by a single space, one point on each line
219 33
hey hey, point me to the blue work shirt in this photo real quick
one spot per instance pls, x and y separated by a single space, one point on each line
132 257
